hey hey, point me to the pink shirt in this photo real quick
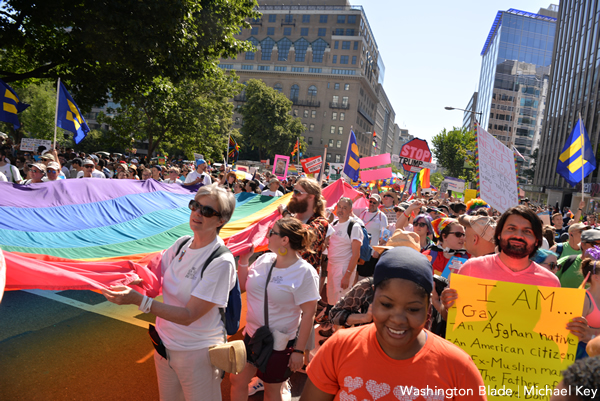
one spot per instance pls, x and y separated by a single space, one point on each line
492 268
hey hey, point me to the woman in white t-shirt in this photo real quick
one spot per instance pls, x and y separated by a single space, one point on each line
188 321
293 292
173 176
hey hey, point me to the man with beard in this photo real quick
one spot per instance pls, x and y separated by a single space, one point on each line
518 236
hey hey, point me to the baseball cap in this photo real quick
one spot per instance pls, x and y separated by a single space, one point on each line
484 226
87 162
376 197
590 236
54 165
40 166
200 161
94 158
578 226
47 156
135 161
405 263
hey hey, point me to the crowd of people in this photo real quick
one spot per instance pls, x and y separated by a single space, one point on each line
366 287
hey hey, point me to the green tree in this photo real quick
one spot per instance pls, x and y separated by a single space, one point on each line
116 48
454 151
193 116
436 179
269 126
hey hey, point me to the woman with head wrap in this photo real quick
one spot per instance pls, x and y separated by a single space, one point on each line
451 239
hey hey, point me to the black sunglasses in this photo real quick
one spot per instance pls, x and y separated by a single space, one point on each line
274 232
421 224
205 211
458 234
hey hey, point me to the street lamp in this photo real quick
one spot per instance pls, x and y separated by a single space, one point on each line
468 111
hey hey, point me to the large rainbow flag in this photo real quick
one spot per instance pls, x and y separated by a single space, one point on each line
87 234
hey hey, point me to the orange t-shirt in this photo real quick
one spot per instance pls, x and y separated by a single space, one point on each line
352 365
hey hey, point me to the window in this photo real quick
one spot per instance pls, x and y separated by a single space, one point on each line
335 99
342 116
310 140
254 30
303 31
263 68
356 45
336 44
349 32
313 114
339 31
336 86
280 68
247 67
226 66
318 49
353 59
272 18
294 92
346 87
311 127
305 127
341 19
334 116
322 31
284 49
315 70
343 72
296 113
305 113
334 60
237 120
331 143
289 18
312 91
343 59
345 45
271 31
323 19
338 143
332 129
301 45
267 48
287 31
328 157
297 69
250 55
345 101
352 19
338 158
306 19
278 88
340 130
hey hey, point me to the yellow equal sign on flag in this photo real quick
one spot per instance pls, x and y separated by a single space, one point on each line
577 159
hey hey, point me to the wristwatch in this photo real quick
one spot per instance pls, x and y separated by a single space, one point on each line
299 351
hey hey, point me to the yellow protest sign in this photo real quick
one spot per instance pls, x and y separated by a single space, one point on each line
515 334
470 194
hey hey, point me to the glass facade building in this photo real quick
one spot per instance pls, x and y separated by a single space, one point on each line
574 90
515 70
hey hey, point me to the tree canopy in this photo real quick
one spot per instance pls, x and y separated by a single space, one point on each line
268 123
453 150
113 48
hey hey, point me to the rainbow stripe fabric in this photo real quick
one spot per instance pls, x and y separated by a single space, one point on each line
97 220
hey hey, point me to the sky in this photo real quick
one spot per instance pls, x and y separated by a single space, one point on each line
431 51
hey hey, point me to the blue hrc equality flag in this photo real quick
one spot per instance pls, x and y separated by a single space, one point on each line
69 116
11 105
352 164
573 159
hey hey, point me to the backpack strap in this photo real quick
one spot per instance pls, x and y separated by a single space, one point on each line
182 244
570 260
350 227
221 250
559 248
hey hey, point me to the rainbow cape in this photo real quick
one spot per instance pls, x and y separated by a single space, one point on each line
88 234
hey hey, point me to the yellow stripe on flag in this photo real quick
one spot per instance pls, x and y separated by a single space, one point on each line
10 108
576 164
10 95
353 163
571 150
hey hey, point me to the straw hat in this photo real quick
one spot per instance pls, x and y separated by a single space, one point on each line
401 238
230 357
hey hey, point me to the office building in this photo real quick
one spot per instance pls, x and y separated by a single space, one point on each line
515 68
574 90
469 115
384 124
323 56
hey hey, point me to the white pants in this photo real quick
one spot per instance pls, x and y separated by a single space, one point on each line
187 375
335 273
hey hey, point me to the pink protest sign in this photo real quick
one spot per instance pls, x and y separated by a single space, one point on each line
280 166
375 161
379 174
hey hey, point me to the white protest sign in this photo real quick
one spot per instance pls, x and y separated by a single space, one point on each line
395 158
497 176
417 163
32 144
455 184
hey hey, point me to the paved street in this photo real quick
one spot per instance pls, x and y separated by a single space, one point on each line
73 345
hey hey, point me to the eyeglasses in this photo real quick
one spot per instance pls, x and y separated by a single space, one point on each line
88 166
388 196
51 171
35 170
297 192
373 202
273 232
458 234
421 224
205 211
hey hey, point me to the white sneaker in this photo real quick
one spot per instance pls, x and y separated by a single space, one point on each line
255 386
286 391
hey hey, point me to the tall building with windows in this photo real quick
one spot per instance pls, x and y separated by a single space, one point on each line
469 116
515 69
323 56
574 90
384 124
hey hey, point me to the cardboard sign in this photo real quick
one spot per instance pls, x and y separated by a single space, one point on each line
416 165
497 175
379 174
515 334
280 166
469 194
545 218
32 144
455 184
375 161
312 165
